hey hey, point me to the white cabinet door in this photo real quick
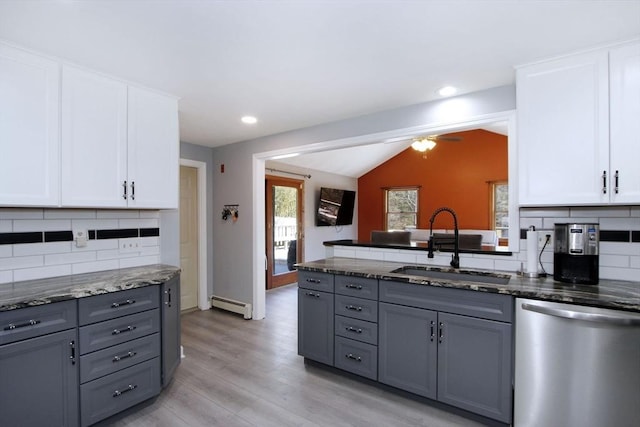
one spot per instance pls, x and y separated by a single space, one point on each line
29 129
562 108
624 144
153 150
94 139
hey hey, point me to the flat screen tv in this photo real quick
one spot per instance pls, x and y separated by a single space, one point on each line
335 207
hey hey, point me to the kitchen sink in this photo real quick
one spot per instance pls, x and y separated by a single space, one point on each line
467 276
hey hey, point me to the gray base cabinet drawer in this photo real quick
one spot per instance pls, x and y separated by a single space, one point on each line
104 307
104 362
458 301
358 308
109 395
315 280
354 286
357 357
105 334
356 329
25 323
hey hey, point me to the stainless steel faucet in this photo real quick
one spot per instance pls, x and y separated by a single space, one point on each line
455 258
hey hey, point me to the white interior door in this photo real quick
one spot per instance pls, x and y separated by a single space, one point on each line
189 237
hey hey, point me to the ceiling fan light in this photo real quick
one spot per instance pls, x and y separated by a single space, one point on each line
423 144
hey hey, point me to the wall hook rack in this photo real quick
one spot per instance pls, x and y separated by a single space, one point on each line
230 211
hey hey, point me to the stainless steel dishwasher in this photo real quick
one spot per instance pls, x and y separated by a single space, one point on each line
576 366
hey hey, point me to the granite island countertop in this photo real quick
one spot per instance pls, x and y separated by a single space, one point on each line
30 293
612 294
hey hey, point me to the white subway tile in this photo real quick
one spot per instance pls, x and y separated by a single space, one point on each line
527 222
150 214
149 241
548 223
41 248
342 251
138 261
41 225
138 223
396 257
41 272
108 254
609 211
544 212
619 248
21 213
634 262
97 245
69 213
117 214
507 265
482 263
94 224
617 273
6 251
69 258
87 267
614 261
21 262
620 223
6 226
6 276
635 211
150 250
369 255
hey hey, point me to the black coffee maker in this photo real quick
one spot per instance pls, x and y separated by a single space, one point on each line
575 254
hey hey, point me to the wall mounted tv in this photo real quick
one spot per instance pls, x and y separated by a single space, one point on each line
335 207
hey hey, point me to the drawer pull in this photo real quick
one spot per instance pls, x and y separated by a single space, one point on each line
124 356
127 302
352 357
353 307
12 326
352 329
311 294
119 331
351 286
72 346
128 389
313 280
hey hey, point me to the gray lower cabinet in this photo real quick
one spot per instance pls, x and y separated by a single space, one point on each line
39 367
315 316
454 358
170 296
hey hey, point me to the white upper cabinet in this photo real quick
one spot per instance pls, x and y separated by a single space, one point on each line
29 129
153 150
120 144
624 92
94 140
575 132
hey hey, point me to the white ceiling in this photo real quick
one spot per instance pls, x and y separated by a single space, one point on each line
299 63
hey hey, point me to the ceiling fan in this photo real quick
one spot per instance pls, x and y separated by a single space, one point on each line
425 143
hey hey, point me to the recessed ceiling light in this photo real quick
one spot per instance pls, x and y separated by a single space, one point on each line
249 120
447 91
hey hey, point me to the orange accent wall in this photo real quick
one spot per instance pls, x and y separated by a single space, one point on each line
453 174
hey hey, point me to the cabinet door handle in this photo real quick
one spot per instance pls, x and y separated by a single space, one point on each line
352 357
617 182
133 190
129 388
121 303
352 329
441 332
72 346
604 182
311 294
119 331
124 356
313 281
12 326
168 294
351 286
124 192
353 307
433 335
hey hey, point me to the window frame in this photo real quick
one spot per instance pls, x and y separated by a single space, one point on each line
493 211
386 213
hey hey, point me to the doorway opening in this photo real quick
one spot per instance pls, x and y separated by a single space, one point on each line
284 213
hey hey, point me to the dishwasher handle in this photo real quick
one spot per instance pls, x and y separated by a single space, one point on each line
588 317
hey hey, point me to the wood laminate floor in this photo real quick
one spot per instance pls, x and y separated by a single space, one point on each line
247 373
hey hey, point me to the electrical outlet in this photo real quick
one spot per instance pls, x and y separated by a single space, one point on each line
129 245
542 238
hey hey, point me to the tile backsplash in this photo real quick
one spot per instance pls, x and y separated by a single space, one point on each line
619 244
39 243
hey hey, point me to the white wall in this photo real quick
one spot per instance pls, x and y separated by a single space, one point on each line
314 236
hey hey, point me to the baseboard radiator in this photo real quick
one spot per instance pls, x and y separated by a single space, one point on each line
232 305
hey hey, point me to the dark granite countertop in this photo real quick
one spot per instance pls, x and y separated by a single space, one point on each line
44 291
613 294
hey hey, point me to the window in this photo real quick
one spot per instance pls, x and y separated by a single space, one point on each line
500 208
401 208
